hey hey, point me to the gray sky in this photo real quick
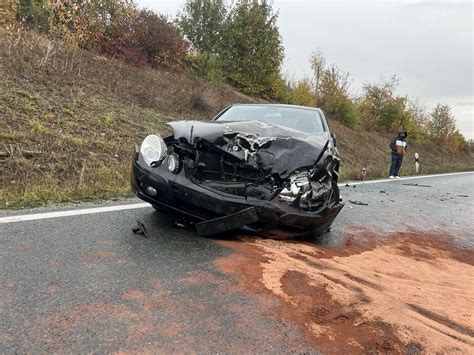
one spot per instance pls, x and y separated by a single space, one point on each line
428 45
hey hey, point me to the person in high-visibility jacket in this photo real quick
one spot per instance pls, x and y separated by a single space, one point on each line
398 145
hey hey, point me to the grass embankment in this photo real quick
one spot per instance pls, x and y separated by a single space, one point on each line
69 120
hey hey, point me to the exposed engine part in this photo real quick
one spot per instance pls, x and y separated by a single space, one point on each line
299 185
250 142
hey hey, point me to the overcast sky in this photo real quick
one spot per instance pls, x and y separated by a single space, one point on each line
428 45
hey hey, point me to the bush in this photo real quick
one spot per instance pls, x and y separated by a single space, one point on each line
299 93
88 24
35 13
149 39
8 12
159 40
341 108
205 66
114 27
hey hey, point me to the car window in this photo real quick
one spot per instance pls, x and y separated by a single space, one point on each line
309 121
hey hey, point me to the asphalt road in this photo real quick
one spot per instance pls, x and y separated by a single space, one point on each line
86 283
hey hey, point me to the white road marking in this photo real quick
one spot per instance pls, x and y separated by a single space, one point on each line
401 179
46 215
94 210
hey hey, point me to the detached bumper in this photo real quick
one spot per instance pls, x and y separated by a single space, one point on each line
217 212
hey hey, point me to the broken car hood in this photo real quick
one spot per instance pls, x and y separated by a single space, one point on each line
275 148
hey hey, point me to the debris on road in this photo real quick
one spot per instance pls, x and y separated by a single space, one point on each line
183 223
358 203
413 184
463 195
139 228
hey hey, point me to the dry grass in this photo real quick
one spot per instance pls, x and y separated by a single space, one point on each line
69 120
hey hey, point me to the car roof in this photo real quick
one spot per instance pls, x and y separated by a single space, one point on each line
280 105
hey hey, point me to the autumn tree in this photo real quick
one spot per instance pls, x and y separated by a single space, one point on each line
456 142
380 105
297 93
420 119
318 65
442 123
252 52
331 91
202 23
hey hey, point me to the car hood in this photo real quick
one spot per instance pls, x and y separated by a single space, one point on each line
274 148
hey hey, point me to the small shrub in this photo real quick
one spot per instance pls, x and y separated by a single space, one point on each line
69 142
37 126
150 39
8 11
205 66
68 112
74 141
107 120
107 175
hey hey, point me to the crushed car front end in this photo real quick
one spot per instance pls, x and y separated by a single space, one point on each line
225 178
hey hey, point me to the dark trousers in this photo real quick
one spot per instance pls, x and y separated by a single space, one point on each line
395 165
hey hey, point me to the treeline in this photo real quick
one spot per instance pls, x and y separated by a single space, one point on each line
377 107
237 43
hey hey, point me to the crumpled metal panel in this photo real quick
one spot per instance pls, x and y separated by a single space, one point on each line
277 149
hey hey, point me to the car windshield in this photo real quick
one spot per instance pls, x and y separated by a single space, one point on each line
306 120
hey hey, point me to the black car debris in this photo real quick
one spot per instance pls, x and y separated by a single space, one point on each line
261 166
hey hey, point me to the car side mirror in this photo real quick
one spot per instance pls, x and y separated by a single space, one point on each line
333 135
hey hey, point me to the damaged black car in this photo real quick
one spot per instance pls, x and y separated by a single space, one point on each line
270 168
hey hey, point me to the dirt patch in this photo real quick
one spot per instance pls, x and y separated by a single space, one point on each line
155 304
121 261
133 295
53 288
98 255
52 265
6 337
26 247
410 293
141 330
108 242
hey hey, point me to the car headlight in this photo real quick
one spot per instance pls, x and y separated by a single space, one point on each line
153 149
